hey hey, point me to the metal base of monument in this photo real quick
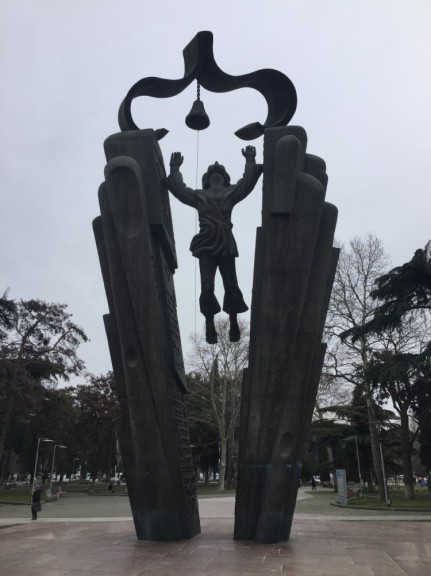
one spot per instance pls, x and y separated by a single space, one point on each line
136 248
294 270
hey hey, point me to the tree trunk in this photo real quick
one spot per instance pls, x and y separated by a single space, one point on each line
222 433
4 427
372 425
5 465
222 470
229 465
406 450
375 449
196 468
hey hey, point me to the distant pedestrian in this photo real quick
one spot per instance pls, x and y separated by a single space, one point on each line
313 483
110 487
35 502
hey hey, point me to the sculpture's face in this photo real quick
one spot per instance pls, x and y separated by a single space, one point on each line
215 177
217 180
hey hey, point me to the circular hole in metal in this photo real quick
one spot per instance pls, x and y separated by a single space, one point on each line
131 357
286 445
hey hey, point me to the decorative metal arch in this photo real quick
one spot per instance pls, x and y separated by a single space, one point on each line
199 63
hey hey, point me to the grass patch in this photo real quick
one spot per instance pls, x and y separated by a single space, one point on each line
86 486
21 494
422 500
15 496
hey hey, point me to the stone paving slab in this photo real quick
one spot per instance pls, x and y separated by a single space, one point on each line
317 547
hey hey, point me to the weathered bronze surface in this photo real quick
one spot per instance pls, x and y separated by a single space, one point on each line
136 248
294 269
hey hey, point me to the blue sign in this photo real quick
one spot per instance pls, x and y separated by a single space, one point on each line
342 487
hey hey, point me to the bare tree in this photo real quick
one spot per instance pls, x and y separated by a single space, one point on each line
332 391
217 386
360 264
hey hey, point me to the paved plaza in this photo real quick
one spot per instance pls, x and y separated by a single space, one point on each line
82 535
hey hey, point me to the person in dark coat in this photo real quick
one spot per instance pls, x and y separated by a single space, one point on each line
35 502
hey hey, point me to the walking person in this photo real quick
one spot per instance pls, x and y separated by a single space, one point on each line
35 502
313 483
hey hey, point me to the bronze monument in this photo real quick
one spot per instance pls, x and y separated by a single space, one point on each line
293 274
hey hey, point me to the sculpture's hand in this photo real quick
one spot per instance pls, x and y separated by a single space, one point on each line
176 160
249 152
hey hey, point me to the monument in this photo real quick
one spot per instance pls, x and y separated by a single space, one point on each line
294 269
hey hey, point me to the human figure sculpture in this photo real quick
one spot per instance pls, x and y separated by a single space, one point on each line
215 244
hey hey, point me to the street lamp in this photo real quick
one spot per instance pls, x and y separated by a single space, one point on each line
388 502
35 462
379 429
52 469
355 438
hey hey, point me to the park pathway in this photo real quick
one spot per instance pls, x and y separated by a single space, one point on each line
81 506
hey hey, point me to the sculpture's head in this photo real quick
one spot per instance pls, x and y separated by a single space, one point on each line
216 175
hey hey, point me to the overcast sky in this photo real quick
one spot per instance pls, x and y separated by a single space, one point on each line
361 69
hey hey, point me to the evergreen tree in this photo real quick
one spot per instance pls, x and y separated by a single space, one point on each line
38 346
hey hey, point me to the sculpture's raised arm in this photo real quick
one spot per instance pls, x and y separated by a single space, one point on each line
252 171
175 181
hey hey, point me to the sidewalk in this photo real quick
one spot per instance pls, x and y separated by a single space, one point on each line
316 548
320 545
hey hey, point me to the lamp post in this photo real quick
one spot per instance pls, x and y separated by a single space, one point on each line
39 440
355 438
379 430
52 469
388 502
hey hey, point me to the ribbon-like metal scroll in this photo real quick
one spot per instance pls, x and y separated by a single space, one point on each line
278 91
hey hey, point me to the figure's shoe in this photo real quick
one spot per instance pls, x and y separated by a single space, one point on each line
210 331
234 331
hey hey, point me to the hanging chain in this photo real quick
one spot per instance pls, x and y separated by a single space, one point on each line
196 213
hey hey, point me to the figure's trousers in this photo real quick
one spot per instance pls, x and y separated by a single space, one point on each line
233 302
